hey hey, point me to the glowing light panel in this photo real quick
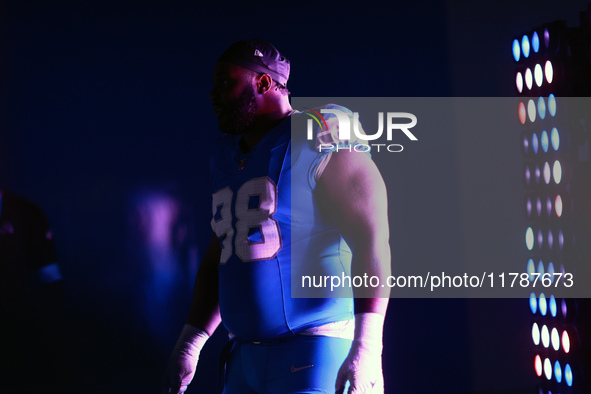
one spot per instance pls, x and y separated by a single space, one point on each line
552 105
557 172
568 375
521 112
555 339
545 335
543 305
535 42
553 307
549 71
565 342
538 365
525 46
516 50
535 144
555 138
529 79
533 302
544 137
529 238
557 372
535 334
519 82
538 75
531 110
548 369
558 205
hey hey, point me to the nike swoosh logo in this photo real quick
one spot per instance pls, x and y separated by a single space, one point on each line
294 369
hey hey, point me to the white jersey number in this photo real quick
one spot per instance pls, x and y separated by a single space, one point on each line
250 221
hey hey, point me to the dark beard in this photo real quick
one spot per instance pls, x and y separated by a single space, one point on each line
239 113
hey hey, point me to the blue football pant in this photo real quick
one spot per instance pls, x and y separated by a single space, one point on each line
297 365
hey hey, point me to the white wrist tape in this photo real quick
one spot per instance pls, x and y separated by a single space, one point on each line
191 340
369 329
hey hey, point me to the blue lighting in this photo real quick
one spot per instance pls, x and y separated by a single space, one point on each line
557 372
568 375
525 46
535 42
533 303
552 105
553 307
544 139
541 108
516 50
555 138
543 305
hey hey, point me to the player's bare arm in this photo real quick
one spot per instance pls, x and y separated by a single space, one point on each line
352 193
202 321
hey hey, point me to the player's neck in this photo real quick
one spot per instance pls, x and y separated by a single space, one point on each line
267 122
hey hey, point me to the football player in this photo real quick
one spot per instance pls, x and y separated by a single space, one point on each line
279 203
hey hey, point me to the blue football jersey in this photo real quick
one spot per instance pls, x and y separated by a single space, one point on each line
266 219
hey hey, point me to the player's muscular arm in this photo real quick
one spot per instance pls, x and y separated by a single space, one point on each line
204 312
351 192
202 320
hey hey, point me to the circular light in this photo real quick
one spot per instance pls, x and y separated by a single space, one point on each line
519 82
555 339
538 75
552 105
547 174
538 365
565 342
521 112
568 375
558 205
557 372
527 175
548 206
553 307
564 310
550 243
535 334
529 238
549 71
560 239
531 110
537 174
539 206
516 50
557 172
544 137
535 42
535 145
551 272
533 302
543 305
555 138
528 79
525 46
548 369
540 243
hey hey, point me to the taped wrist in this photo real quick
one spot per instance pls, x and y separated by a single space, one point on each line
191 340
369 329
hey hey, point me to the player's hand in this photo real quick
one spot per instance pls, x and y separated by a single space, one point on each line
363 366
183 360
362 369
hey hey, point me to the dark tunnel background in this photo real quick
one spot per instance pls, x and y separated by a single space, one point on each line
106 124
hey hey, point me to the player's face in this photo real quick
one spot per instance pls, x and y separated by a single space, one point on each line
233 97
